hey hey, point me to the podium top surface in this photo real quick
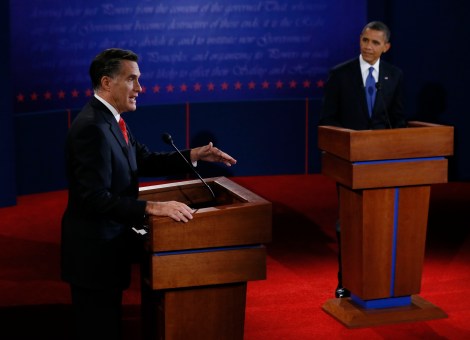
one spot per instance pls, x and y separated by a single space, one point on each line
236 217
418 140
195 194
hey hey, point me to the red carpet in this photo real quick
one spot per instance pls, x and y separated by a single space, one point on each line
34 303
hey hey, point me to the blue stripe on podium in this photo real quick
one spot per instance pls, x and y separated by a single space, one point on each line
394 241
401 160
391 301
206 250
382 303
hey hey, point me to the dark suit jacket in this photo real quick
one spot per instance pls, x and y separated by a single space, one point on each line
103 171
345 103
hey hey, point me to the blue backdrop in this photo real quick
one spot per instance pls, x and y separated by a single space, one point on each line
191 51
246 75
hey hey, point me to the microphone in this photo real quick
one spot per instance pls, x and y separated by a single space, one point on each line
166 137
378 86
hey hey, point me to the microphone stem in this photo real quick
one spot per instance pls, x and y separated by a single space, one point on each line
194 170
387 117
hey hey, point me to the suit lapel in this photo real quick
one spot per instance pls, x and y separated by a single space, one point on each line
127 150
132 151
384 77
115 130
387 84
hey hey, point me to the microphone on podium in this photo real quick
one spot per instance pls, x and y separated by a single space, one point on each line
166 137
378 86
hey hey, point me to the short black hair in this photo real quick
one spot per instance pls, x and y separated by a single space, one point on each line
379 26
108 63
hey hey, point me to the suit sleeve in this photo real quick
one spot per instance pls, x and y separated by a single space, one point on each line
397 113
156 164
330 106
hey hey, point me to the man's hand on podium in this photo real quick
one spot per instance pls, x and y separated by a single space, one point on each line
178 211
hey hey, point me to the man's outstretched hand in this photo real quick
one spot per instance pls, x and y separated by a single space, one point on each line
210 153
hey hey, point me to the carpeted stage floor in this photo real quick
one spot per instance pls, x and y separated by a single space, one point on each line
34 303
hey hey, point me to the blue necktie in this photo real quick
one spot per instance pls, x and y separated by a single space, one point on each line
370 91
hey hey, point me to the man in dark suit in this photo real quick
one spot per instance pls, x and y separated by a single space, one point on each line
103 163
345 99
364 93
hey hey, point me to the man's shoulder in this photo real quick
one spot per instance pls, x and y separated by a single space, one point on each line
95 104
346 65
95 108
95 113
389 67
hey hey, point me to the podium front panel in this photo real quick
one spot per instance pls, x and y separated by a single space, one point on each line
236 217
383 234
411 239
199 268
366 240
418 140
237 224
386 173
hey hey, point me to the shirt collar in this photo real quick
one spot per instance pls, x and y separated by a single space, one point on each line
365 68
365 65
111 108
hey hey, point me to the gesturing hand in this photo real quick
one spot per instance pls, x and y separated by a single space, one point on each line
210 153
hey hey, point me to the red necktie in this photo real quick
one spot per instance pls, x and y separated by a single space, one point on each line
122 125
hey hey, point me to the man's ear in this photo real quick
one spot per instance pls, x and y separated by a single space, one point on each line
387 47
105 83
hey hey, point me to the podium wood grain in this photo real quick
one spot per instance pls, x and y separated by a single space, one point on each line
195 274
384 179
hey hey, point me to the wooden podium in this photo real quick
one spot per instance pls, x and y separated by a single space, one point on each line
384 179
195 274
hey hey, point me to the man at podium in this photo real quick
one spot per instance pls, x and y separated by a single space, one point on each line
103 161
364 93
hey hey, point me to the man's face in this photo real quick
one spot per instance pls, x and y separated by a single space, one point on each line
373 44
125 88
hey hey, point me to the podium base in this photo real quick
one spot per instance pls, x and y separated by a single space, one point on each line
197 313
353 316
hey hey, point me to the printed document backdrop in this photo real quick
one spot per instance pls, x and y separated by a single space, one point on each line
190 51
